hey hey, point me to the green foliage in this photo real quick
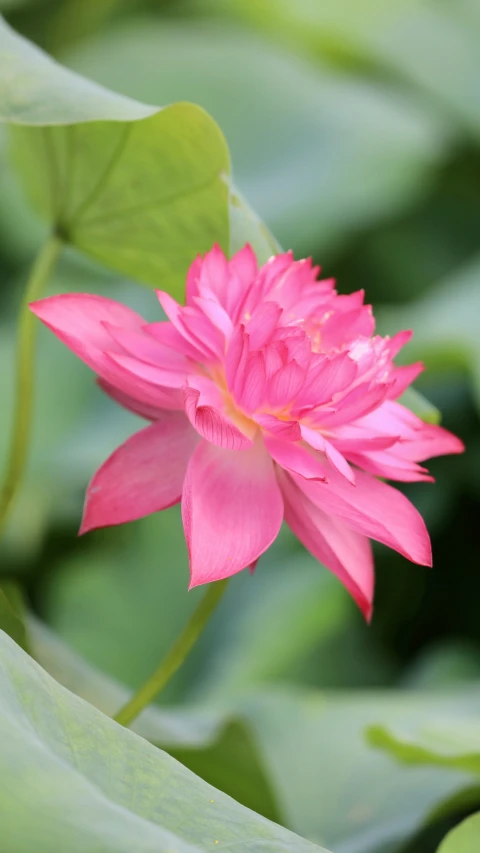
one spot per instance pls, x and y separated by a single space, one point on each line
410 39
88 784
11 616
445 325
464 838
298 134
331 786
306 748
242 648
51 486
140 189
448 740
354 131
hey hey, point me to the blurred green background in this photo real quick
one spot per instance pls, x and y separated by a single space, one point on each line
354 128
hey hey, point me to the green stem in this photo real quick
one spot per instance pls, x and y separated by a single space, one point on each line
175 657
22 417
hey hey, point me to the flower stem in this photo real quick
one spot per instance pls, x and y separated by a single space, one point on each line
17 455
175 657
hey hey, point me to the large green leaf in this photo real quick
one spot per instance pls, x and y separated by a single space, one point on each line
326 781
21 231
315 153
465 838
87 784
141 189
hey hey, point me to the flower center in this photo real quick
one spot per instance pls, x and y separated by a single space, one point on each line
236 415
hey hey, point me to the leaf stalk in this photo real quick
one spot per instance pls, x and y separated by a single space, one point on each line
176 656
40 272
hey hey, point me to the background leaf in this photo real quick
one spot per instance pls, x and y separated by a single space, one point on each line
445 324
449 741
11 621
464 838
298 133
328 781
410 38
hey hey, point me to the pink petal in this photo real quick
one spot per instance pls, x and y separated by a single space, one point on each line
389 465
149 372
346 553
288 430
339 462
79 320
204 408
262 324
316 440
290 283
353 437
391 418
216 314
403 377
313 301
236 359
356 404
348 301
242 273
144 475
166 334
193 274
329 376
232 510
195 328
254 385
294 457
285 384
417 440
272 273
398 341
373 509
340 329
429 441
276 356
244 264
297 343
214 273
167 399
144 347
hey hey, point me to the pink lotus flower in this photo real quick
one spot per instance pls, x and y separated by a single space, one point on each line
270 398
